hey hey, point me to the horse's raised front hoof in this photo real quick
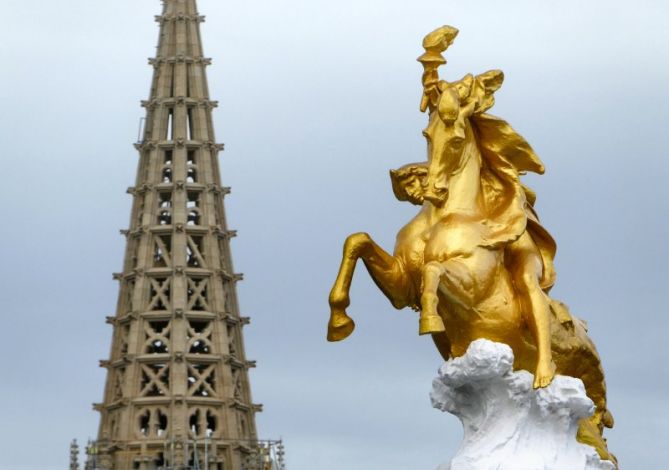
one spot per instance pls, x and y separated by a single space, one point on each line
340 326
430 324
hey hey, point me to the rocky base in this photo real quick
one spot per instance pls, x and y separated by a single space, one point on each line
507 424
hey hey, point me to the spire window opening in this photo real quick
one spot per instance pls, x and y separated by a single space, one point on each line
199 326
191 259
189 91
165 200
172 80
193 421
193 217
159 293
191 175
168 158
158 257
195 252
191 172
164 213
167 174
202 380
212 423
144 420
190 158
157 337
170 124
199 347
162 258
152 422
190 125
157 346
155 380
199 336
164 218
161 428
197 294
193 200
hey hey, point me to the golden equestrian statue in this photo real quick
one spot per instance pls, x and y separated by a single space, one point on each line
475 261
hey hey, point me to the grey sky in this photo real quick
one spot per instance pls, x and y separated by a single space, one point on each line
317 101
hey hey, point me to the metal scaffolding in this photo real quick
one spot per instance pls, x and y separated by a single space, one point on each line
260 455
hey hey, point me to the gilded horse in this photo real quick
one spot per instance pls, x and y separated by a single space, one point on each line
475 261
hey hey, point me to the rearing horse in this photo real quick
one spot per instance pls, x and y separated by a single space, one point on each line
475 261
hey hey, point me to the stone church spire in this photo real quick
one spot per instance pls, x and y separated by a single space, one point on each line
177 390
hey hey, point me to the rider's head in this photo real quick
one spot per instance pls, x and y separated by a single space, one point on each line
408 182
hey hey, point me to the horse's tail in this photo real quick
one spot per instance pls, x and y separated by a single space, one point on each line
575 355
578 355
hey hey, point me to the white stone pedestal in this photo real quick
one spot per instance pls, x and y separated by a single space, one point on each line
507 424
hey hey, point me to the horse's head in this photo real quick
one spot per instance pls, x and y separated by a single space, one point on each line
459 128
449 127
446 135
451 105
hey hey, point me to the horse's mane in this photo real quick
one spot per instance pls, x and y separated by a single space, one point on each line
508 203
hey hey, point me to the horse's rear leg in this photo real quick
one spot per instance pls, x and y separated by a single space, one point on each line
386 271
